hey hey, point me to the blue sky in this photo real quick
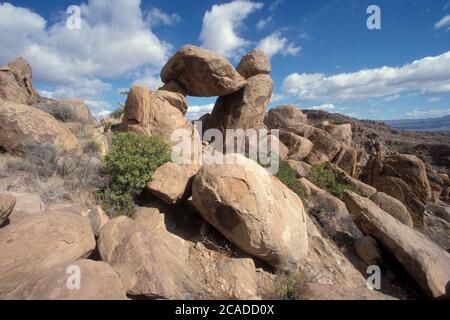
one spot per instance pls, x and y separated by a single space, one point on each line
323 55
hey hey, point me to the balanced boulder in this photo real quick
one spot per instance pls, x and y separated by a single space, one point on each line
254 210
254 63
245 108
202 73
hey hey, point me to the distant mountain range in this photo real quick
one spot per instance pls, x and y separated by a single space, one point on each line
430 124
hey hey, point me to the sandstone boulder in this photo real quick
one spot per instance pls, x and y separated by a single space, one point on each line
21 125
152 114
324 143
7 203
299 147
393 206
27 203
347 160
98 281
173 182
425 261
245 108
16 83
301 167
342 132
254 210
254 63
332 214
202 73
368 250
437 229
69 110
404 178
286 117
319 291
343 177
40 243
154 262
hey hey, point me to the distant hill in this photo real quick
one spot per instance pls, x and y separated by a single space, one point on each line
431 124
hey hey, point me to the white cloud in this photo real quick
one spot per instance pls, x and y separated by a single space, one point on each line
114 40
277 97
444 22
262 24
156 16
428 113
195 112
276 43
151 81
99 108
435 99
325 107
392 98
428 75
221 26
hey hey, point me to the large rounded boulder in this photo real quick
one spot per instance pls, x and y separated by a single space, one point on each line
21 125
202 73
254 63
254 210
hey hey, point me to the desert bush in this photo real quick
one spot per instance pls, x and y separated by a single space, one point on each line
62 113
91 147
288 176
45 170
129 165
286 286
326 180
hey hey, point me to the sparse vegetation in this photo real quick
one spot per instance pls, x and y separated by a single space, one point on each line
287 286
43 169
62 113
326 179
288 176
118 112
130 164
91 147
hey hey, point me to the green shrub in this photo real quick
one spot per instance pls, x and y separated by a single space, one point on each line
288 176
129 165
326 180
91 147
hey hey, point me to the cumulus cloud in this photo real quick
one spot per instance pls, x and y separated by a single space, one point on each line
221 26
195 112
151 81
277 97
276 43
114 40
99 108
262 24
325 107
444 22
428 76
156 16
428 113
392 98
